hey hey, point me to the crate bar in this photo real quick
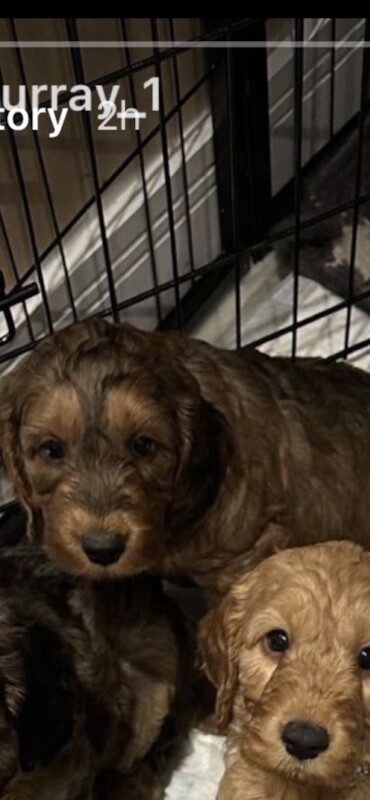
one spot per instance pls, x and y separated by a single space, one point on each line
15 273
333 36
108 182
222 264
298 112
167 178
356 205
29 222
71 26
352 348
132 301
252 249
309 223
183 154
18 295
143 178
233 182
45 179
309 320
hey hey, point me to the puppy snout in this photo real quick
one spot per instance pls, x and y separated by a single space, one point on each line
304 740
103 547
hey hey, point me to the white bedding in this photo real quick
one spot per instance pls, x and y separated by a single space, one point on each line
200 773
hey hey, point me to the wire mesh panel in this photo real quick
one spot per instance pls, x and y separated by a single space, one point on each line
321 216
238 206
117 235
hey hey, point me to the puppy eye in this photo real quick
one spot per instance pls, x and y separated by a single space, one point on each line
51 450
143 446
277 641
364 658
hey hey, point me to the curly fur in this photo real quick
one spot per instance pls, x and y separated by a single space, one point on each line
320 597
95 685
251 453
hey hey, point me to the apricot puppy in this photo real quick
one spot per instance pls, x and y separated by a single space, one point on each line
289 652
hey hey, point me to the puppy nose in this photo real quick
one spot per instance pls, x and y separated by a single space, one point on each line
304 740
103 547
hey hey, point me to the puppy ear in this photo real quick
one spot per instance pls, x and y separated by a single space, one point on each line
44 722
206 447
220 640
217 645
11 405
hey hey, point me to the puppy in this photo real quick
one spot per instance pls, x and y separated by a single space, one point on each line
94 685
289 651
135 451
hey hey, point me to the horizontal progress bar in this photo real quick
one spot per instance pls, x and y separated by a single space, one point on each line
185 44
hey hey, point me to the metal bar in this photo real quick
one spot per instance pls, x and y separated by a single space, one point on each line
210 268
233 184
333 36
228 262
253 138
107 183
7 337
183 154
143 179
15 273
167 178
29 222
356 205
298 111
48 192
199 293
253 249
183 279
79 73
19 296
308 320
350 349
20 351
308 223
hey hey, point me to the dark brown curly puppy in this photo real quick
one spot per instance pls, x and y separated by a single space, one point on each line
93 685
134 451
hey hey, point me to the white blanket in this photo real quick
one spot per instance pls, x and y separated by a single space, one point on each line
199 776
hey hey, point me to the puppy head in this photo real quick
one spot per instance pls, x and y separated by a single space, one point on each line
289 652
37 697
110 446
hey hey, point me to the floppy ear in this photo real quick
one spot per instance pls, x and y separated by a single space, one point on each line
206 451
44 722
220 640
11 404
217 643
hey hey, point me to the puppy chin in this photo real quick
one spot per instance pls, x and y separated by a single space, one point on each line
313 774
331 774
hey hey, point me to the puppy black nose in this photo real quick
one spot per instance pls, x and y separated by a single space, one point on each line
304 740
103 547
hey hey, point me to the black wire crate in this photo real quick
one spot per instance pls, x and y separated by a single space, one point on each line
235 207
